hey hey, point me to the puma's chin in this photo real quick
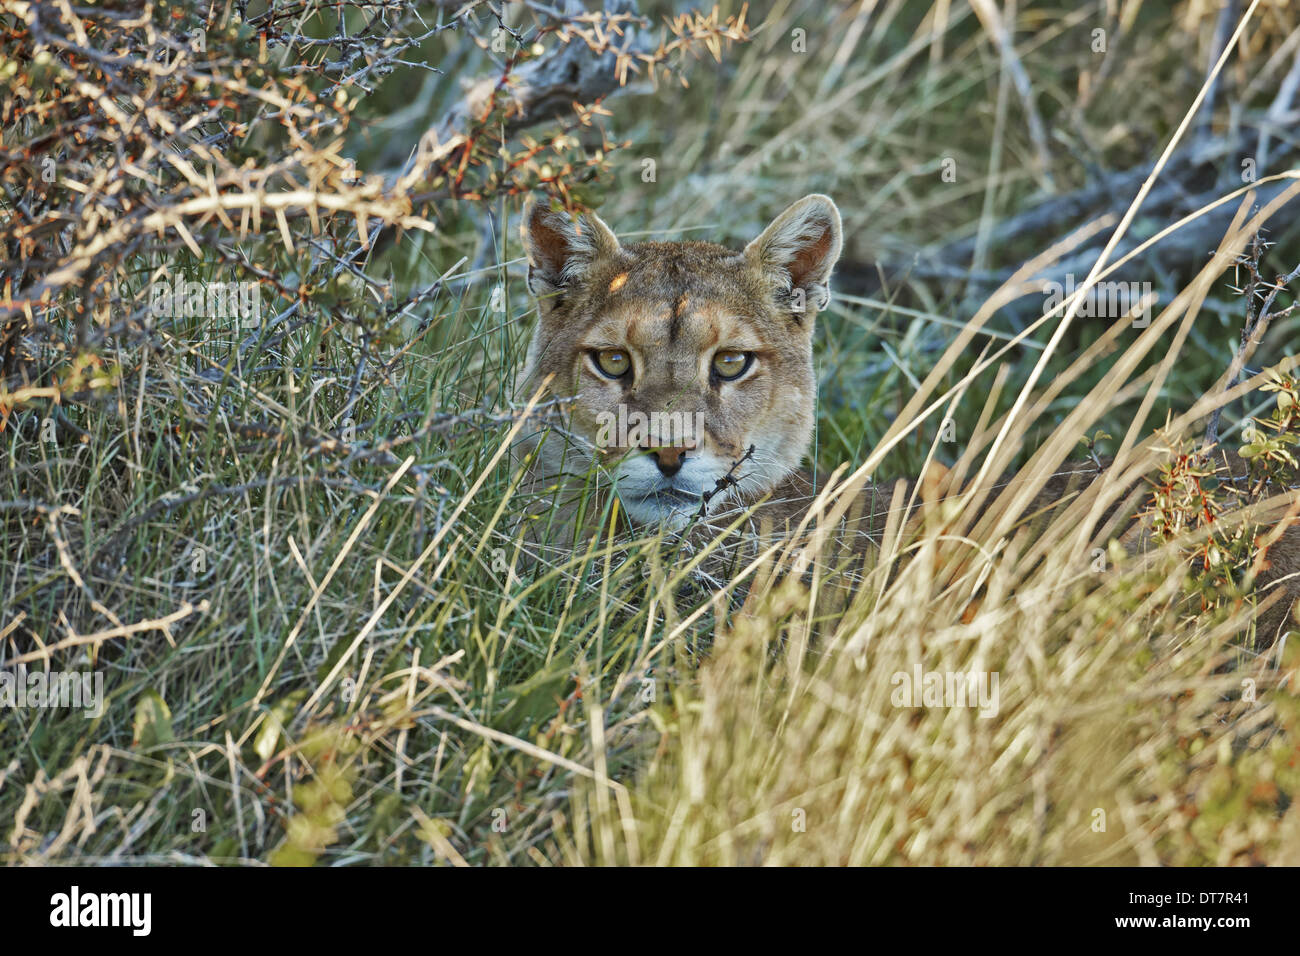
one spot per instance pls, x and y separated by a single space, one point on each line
652 499
670 509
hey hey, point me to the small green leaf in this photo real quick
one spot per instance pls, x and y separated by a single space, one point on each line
153 721
268 735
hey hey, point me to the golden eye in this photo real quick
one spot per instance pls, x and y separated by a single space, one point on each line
729 364
613 362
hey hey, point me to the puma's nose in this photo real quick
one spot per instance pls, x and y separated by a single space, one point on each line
669 460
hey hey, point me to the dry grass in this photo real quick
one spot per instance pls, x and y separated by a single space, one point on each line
287 548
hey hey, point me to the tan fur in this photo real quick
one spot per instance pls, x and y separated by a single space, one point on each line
673 306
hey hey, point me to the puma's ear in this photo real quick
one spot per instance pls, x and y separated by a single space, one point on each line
799 250
560 249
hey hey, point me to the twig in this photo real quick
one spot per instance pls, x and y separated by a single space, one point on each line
1252 332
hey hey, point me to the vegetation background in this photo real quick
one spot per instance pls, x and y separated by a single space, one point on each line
287 545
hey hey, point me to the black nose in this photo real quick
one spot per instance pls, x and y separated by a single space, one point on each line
669 460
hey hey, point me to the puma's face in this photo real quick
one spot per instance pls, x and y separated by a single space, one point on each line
680 357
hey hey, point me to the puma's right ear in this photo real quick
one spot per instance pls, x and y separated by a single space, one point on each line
560 250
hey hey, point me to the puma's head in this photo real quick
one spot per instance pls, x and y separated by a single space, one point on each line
679 356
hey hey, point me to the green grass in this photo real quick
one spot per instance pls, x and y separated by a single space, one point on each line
442 700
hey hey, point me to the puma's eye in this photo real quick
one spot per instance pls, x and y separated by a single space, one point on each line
613 362
729 364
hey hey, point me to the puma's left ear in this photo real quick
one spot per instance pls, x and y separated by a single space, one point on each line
799 249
